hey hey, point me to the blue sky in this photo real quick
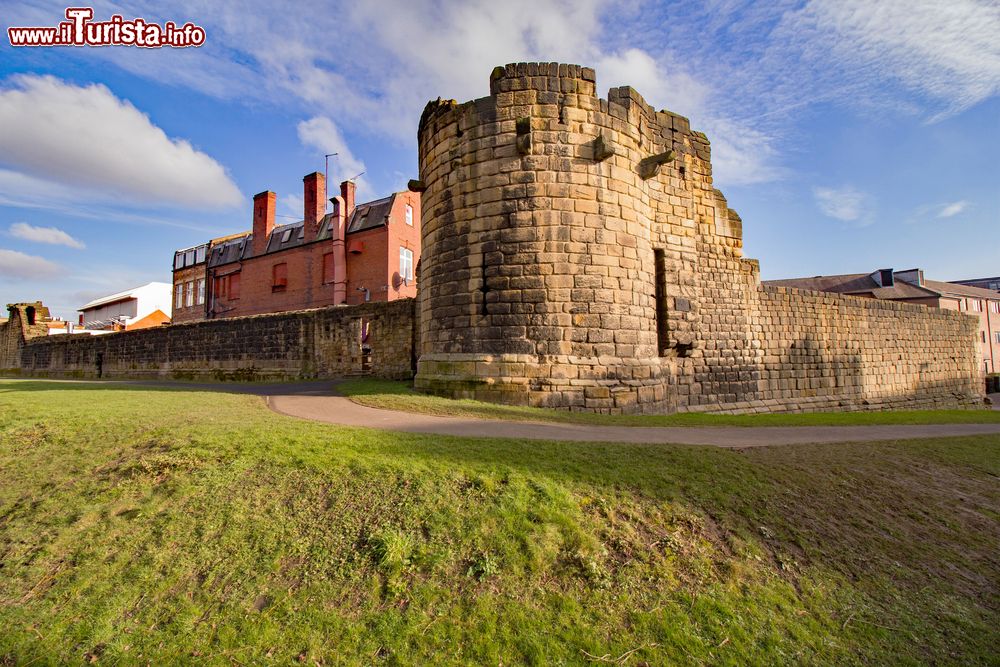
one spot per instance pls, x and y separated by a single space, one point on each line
850 135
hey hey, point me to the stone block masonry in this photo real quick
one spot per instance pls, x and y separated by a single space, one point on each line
576 255
375 338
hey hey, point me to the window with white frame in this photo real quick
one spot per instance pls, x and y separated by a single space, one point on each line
406 263
997 335
977 305
179 295
995 306
201 291
409 215
189 294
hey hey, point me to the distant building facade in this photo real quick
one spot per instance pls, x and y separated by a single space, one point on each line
910 286
189 283
984 283
355 254
137 308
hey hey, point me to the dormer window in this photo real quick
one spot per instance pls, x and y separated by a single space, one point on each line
886 278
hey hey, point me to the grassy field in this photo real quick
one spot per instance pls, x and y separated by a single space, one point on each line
169 526
394 395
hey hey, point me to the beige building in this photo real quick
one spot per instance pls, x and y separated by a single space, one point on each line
911 287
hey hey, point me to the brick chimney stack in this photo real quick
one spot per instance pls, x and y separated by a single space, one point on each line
347 189
314 196
338 230
263 220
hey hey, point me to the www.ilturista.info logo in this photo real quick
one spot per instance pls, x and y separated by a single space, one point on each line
80 30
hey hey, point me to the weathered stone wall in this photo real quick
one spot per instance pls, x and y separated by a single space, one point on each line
17 329
577 255
10 345
317 343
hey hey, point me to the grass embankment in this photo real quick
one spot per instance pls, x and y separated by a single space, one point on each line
174 526
392 395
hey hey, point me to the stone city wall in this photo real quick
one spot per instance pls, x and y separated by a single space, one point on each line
577 255
319 343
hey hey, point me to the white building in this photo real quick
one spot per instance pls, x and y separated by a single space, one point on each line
137 308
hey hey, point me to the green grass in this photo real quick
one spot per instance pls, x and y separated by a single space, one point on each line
175 526
394 395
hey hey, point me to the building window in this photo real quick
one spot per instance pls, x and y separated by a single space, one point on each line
995 306
188 294
409 215
179 295
227 286
406 263
328 268
997 335
982 336
201 291
977 305
279 277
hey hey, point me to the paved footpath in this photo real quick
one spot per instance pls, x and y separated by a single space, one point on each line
318 401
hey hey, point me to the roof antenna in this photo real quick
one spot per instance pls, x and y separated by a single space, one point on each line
356 177
327 157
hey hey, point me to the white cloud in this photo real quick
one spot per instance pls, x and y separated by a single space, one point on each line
846 203
50 235
662 84
389 58
747 78
321 134
19 266
952 209
947 52
292 206
23 191
85 137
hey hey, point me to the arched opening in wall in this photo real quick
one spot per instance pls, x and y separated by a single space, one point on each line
29 313
660 296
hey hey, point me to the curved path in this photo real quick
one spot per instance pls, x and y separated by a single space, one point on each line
333 409
318 401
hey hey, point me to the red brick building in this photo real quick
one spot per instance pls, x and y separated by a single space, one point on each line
357 253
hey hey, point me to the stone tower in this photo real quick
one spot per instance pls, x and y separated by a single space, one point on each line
561 229
577 255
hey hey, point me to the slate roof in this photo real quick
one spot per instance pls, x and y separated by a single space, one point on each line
863 283
231 250
963 290
371 215
237 247
856 283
